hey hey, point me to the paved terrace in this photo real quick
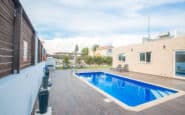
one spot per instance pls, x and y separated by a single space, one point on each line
70 96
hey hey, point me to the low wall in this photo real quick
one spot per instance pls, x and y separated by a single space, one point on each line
19 91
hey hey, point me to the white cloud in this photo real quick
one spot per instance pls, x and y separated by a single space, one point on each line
121 4
89 16
98 21
68 44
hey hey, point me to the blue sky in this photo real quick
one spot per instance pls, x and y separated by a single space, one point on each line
104 20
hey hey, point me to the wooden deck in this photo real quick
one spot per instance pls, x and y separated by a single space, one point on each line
70 96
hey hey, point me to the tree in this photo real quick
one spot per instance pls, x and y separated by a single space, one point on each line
66 61
88 60
85 52
95 48
79 60
98 60
75 53
108 60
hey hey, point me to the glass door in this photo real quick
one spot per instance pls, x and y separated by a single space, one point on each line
180 64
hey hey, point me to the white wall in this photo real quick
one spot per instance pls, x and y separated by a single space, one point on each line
162 58
19 91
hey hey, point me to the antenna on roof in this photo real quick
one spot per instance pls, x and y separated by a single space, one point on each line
148 27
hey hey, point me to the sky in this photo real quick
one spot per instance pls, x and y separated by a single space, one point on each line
64 23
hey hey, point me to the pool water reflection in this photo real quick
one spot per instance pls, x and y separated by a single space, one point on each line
128 91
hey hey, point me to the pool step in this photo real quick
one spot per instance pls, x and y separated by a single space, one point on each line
158 93
162 93
169 93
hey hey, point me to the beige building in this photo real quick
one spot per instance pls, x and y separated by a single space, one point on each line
91 52
164 56
104 51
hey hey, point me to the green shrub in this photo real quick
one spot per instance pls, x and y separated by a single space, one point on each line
99 60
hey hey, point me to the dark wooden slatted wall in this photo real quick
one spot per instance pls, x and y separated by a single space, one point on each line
26 35
39 51
15 29
6 36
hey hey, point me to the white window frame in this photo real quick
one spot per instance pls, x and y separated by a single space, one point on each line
145 60
123 54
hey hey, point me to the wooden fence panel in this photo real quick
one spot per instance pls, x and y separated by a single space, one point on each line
6 36
17 38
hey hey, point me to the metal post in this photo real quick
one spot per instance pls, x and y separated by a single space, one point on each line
148 27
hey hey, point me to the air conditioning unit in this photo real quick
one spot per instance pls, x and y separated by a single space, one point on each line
165 35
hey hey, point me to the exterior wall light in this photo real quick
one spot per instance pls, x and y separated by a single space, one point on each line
131 49
164 47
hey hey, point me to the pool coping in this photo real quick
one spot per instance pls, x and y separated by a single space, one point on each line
139 107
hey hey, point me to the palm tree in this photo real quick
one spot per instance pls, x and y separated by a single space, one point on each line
76 48
95 48
75 53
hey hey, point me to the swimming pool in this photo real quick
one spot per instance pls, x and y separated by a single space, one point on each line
128 91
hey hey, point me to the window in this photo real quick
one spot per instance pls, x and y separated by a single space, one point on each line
122 57
142 57
145 57
25 51
148 56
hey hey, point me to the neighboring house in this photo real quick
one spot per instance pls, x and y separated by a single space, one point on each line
101 51
164 56
104 51
70 54
91 52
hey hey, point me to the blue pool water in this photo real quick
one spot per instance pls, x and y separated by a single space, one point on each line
128 91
